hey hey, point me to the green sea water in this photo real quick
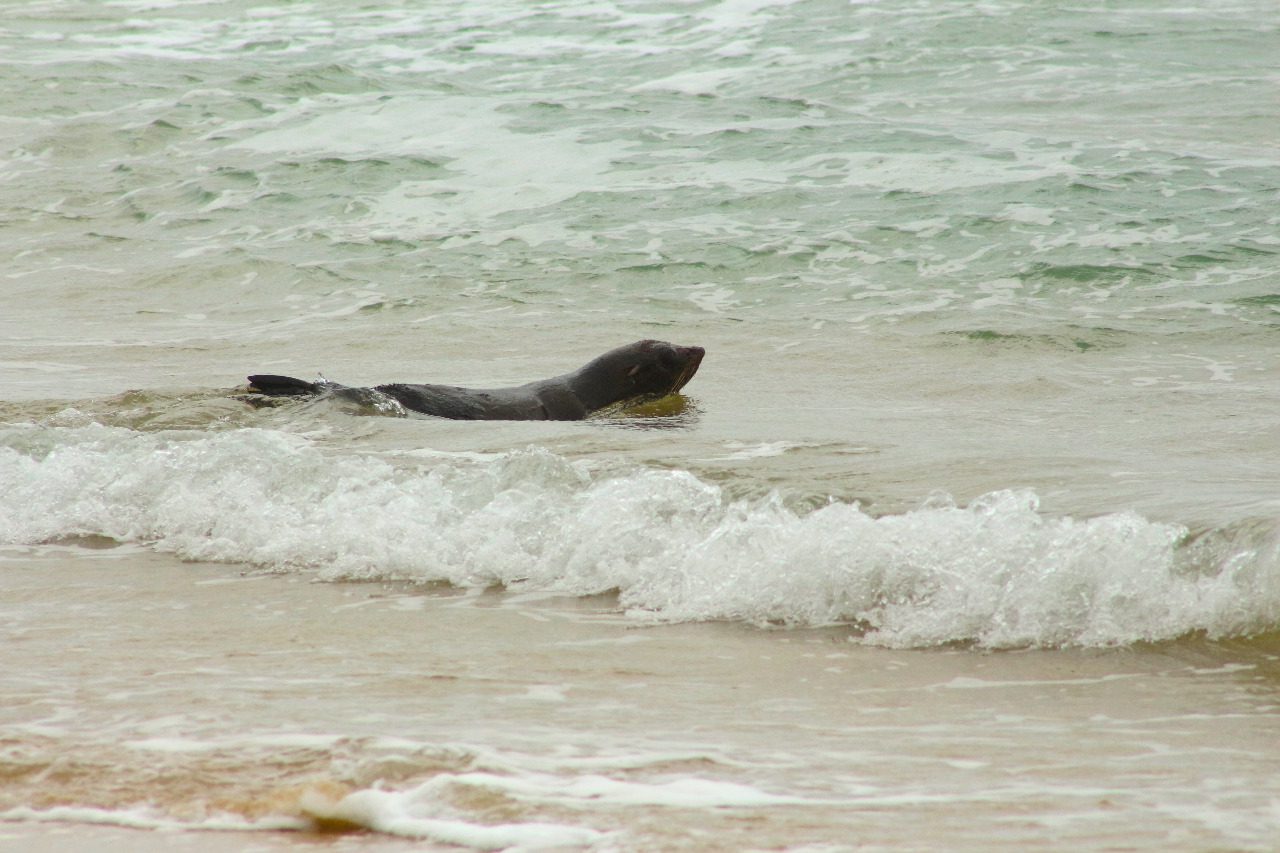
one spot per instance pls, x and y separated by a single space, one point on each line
999 168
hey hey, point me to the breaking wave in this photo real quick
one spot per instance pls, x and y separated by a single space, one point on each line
997 573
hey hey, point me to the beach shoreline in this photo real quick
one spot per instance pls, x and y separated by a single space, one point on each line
337 685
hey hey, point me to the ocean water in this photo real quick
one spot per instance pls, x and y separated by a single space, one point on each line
965 536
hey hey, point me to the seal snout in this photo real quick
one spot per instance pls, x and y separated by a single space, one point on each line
692 358
693 355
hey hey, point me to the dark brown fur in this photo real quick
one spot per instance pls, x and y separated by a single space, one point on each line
644 370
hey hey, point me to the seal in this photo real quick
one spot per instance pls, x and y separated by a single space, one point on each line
635 373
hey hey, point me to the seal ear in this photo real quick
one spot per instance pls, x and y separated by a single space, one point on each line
633 371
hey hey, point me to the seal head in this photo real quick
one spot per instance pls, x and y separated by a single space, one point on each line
645 370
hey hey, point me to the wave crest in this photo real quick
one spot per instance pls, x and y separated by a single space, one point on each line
997 572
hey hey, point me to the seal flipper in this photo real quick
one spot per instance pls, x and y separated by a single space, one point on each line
282 386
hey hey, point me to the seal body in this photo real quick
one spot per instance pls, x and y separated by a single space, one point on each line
645 370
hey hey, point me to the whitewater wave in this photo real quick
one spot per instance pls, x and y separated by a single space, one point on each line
997 572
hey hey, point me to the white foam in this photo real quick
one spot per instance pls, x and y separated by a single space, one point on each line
142 818
172 744
684 792
929 173
730 15
1027 214
401 813
693 82
739 450
996 572
392 813
488 168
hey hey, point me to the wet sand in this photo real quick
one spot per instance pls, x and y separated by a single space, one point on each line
46 838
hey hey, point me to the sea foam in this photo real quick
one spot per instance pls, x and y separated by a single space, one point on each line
400 813
997 572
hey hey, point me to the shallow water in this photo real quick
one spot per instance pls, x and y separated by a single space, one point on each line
159 694
965 535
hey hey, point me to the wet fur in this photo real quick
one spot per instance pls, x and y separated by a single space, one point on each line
645 370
